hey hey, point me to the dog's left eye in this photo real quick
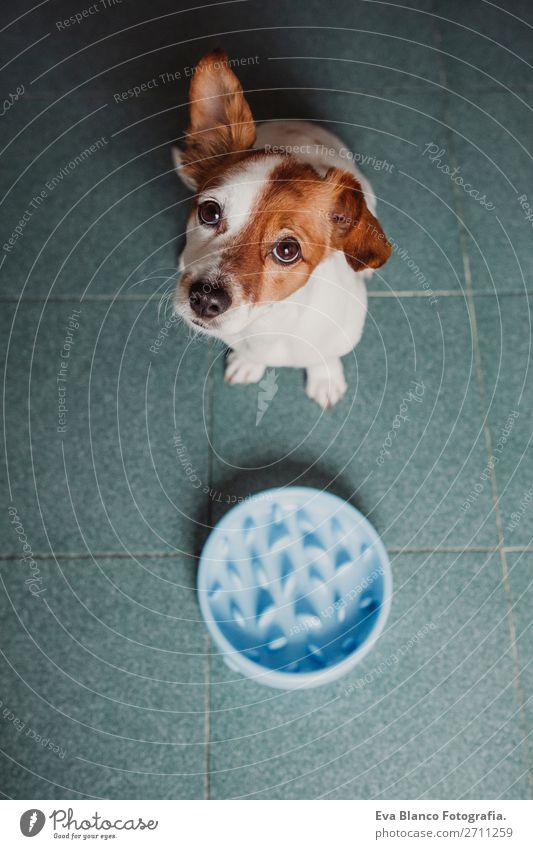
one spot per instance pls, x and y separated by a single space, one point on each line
287 251
209 212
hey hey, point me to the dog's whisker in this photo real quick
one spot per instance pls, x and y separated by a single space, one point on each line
164 302
159 306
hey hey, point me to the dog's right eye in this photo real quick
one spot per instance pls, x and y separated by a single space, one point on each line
209 212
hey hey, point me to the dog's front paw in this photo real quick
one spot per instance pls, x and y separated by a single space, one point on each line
239 370
326 384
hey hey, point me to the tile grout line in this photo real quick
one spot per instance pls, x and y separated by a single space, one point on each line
470 299
103 555
501 536
517 549
139 298
207 717
447 293
395 549
209 646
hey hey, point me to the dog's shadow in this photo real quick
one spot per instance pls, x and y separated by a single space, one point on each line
238 487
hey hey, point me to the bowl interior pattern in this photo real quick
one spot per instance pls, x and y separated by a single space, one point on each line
294 580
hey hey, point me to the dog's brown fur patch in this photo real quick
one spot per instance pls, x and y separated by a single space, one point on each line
284 207
323 214
356 231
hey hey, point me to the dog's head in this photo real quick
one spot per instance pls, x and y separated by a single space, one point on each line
260 222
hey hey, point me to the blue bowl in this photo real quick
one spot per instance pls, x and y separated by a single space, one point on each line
295 587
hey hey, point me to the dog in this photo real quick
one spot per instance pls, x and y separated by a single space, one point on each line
280 237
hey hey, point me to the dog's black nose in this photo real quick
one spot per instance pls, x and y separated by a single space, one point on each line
208 301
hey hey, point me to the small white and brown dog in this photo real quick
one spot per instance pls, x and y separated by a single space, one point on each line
280 237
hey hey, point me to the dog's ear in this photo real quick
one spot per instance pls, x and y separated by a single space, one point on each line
354 229
220 121
180 164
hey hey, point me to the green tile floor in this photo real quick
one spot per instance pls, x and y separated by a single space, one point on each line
109 685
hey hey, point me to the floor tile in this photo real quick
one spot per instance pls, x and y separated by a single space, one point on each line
486 45
490 149
126 467
416 206
413 480
86 210
521 584
431 713
104 677
504 329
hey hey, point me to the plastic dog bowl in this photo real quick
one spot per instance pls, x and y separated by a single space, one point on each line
295 587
